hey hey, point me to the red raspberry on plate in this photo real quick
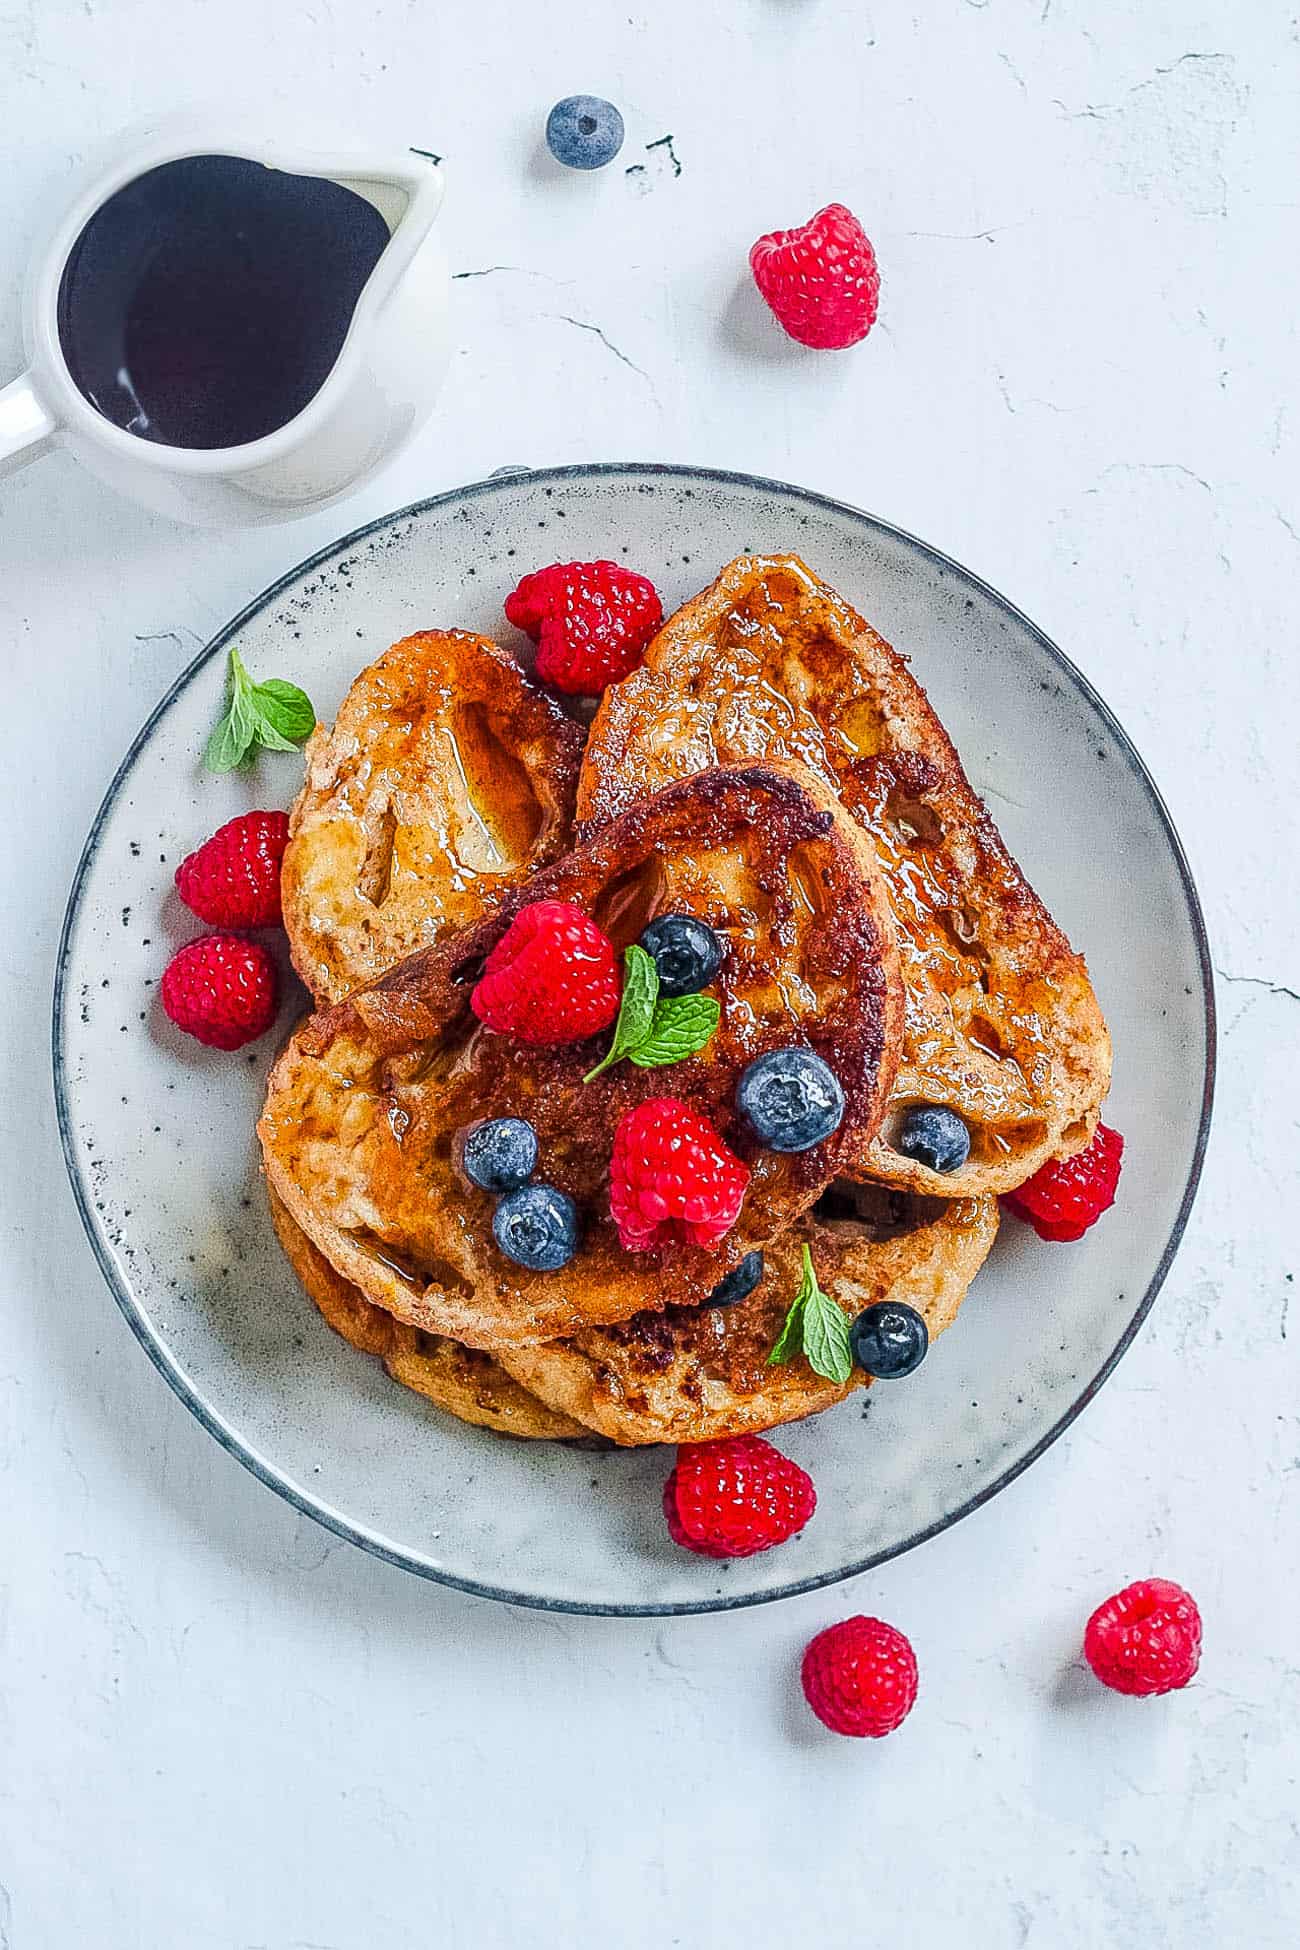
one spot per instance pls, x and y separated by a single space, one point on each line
730 1499
591 622
233 879
821 279
672 1177
221 990
1146 1639
552 978
1067 1195
859 1677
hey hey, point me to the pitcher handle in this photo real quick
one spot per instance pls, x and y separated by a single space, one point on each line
27 427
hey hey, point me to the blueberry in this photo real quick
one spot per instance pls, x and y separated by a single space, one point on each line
791 1098
537 1227
739 1283
500 1154
687 953
889 1340
584 132
935 1137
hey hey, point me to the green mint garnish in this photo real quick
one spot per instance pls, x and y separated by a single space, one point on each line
681 1024
275 715
816 1328
636 1011
651 1029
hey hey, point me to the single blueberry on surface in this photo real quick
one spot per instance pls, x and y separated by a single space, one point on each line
791 1098
889 1340
686 952
500 1154
584 132
537 1227
935 1137
739 1282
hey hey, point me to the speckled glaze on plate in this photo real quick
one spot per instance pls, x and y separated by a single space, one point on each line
158 1133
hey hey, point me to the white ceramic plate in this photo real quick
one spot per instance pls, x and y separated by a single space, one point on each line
159 1132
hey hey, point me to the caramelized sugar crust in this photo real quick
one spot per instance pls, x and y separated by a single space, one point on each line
448 775
365 1106
1001 1021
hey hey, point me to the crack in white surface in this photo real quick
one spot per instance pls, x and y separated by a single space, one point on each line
584 325
1030 399
1013 71
1097 111
665 142
1158 467
1258 982
1169 131
964 236
167 636
514 270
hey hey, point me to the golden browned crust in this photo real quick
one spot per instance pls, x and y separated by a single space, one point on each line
461 1380
364 1106
447 776
1001 1020
697 1374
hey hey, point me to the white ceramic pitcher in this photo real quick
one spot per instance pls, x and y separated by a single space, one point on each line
377 393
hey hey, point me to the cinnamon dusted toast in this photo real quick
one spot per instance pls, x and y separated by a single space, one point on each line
364 1106
695 1374
1002 1025
686 1374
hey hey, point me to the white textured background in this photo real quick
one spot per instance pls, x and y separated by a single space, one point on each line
220 1729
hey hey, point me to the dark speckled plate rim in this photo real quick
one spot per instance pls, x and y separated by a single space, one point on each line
230 1438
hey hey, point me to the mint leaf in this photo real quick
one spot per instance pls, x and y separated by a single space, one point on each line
637 1009
826 1337
789 1341
276 715
233 737
286 708
682 1024
265 733
232 740
816 1328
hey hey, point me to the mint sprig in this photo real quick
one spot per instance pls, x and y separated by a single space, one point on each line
681 1024
816 1328
635 1012
276 716
652 1030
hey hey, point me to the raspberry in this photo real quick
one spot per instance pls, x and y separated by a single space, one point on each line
221 990
591 622
859 1677
233 879
672 1177
1146 1639
1067 1195
552 977
820 280
730 1499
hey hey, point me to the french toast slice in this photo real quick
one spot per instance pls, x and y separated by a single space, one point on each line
447 776
463 1381
695 1374
1002 1024
365 1104
688 1374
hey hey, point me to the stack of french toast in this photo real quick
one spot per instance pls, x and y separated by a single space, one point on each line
773 770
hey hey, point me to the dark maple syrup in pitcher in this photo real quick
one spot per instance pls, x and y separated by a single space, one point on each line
205 304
